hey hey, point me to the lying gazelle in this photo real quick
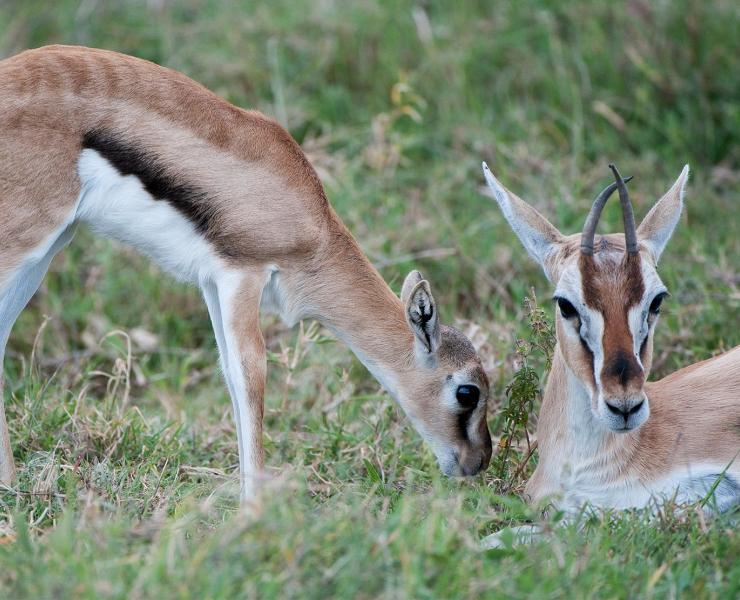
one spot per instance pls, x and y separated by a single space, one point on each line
224 198
605 436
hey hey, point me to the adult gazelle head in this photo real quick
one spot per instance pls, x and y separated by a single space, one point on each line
608 294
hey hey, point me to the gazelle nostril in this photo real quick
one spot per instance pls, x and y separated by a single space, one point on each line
624 412
615 409
636 407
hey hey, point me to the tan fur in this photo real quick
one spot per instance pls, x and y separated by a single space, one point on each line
697 408
53 95
694 416
695 412
267 206
245 322
694 419
613 287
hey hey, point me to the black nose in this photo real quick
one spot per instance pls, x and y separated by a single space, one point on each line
622 367
624 412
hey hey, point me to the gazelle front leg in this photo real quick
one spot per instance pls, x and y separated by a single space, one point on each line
233 303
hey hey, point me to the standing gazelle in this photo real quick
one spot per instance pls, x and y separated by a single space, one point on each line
605 436
224 198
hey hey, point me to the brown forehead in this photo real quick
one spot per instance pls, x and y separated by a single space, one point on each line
455 348
611 278
456 351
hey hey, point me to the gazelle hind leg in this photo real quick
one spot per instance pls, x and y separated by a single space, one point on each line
12 301
233 303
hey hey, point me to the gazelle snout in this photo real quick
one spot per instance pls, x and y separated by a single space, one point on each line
475 452
476 461
468 461
623 404
623 371
625 412
471 456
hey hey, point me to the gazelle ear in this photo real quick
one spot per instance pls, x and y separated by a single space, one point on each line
421 312
539 236
658 225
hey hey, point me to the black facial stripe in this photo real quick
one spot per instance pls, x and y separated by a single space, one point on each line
643 346
463 419
186 198
588 351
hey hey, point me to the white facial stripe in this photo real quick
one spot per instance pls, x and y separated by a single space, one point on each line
592 321
638 315
637 321
595 339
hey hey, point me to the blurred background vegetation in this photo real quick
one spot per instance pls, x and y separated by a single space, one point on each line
121 426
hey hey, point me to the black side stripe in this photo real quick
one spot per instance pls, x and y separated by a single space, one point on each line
186 198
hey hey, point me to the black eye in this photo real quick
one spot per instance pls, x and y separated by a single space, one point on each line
566 308
657 301
468 396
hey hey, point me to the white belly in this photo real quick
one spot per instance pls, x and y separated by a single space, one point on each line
119 207
683 485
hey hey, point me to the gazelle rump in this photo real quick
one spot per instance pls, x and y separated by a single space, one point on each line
606 436
224 198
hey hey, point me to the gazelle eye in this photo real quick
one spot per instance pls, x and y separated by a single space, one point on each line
468 396
567 309
656 303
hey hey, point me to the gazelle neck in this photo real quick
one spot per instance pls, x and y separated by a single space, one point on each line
344 292
575 450
566 419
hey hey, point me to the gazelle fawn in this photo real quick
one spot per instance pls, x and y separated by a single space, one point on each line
606 436
226 199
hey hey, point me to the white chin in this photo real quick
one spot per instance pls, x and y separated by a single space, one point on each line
449 466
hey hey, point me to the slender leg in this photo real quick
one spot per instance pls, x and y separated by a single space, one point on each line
233 303
7 465
12 301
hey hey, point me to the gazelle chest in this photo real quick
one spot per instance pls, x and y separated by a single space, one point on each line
577 472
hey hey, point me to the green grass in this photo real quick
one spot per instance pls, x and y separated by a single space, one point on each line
127 459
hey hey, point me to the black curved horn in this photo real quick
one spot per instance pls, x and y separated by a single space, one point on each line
630 231
589 228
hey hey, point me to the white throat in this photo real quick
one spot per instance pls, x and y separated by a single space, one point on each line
586 433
